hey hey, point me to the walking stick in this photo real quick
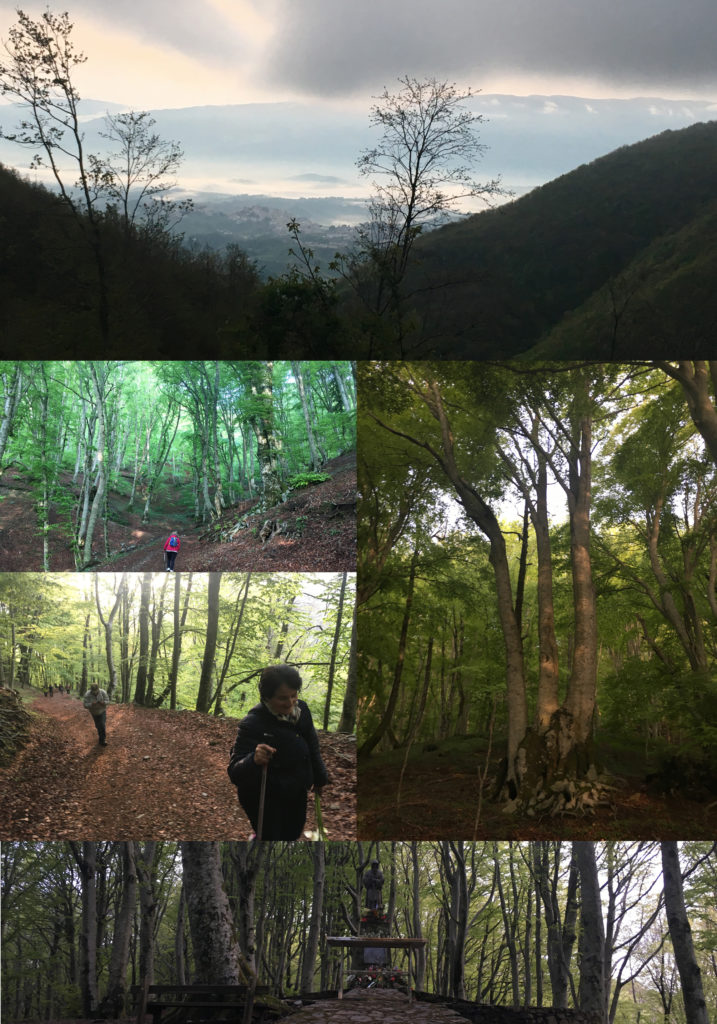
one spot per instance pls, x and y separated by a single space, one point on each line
262 800
262 794
320 830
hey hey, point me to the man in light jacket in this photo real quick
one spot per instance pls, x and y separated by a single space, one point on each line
96 701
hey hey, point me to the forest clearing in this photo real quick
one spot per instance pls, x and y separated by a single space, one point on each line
315 529
500 932
163 774
537 599
97 458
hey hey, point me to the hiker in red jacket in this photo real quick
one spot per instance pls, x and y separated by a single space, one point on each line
171 547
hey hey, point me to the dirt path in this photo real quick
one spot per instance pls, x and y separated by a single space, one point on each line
161 776
315 531
375 1006
148 555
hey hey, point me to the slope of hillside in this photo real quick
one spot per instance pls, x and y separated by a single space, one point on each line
664 300
313 530
498 282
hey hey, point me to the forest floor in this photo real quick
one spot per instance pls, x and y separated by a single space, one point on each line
318 531
375 1006
162 775
440 793
359 1006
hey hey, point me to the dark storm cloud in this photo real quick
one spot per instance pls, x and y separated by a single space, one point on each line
340 46
193 28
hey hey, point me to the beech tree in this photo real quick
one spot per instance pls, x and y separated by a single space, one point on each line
216 954
255 911
681 935
143 637
205 434
485 437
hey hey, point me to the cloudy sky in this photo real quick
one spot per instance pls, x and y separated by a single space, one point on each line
335 55
157 53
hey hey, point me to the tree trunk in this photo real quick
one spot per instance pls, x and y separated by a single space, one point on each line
594 986
347 722
216 954
13 388
334 649
108 626
416 914
385 722
146 874
140 692
299 378
204 698
262 422
86 859
681 935
318 856
113 1003
98 377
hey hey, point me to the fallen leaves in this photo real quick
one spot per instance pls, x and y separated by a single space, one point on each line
162 776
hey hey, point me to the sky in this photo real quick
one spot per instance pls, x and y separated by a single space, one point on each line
334 56
157 53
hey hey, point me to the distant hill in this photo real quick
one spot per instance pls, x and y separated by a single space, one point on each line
258 224
550 272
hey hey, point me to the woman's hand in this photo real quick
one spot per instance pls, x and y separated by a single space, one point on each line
263 754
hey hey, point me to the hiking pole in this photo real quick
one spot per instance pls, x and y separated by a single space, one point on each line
320 830
262 793
262 800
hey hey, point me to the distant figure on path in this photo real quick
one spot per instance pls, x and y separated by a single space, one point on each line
277 737
373 884
171 547
96 701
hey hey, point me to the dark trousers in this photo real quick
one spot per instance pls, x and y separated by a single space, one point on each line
100 724
283 819
169 557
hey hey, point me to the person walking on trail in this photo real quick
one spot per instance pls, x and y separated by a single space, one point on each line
171 547
96 701
277 739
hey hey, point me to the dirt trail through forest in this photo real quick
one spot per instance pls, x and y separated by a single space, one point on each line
161 776
148 556
363 1006
313 531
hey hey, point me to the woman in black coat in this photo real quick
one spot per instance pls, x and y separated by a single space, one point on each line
278 733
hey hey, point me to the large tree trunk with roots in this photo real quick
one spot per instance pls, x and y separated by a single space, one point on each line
556 766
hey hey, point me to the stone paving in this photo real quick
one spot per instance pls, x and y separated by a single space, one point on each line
374 1006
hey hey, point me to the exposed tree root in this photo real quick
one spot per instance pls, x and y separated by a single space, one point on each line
555 773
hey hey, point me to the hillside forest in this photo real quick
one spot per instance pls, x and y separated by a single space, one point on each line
610 261
613 259
536 588
179 655
599 926
98 458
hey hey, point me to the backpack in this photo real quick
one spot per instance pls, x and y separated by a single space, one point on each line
174 541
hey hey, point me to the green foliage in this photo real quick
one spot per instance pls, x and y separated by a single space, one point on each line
305 479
